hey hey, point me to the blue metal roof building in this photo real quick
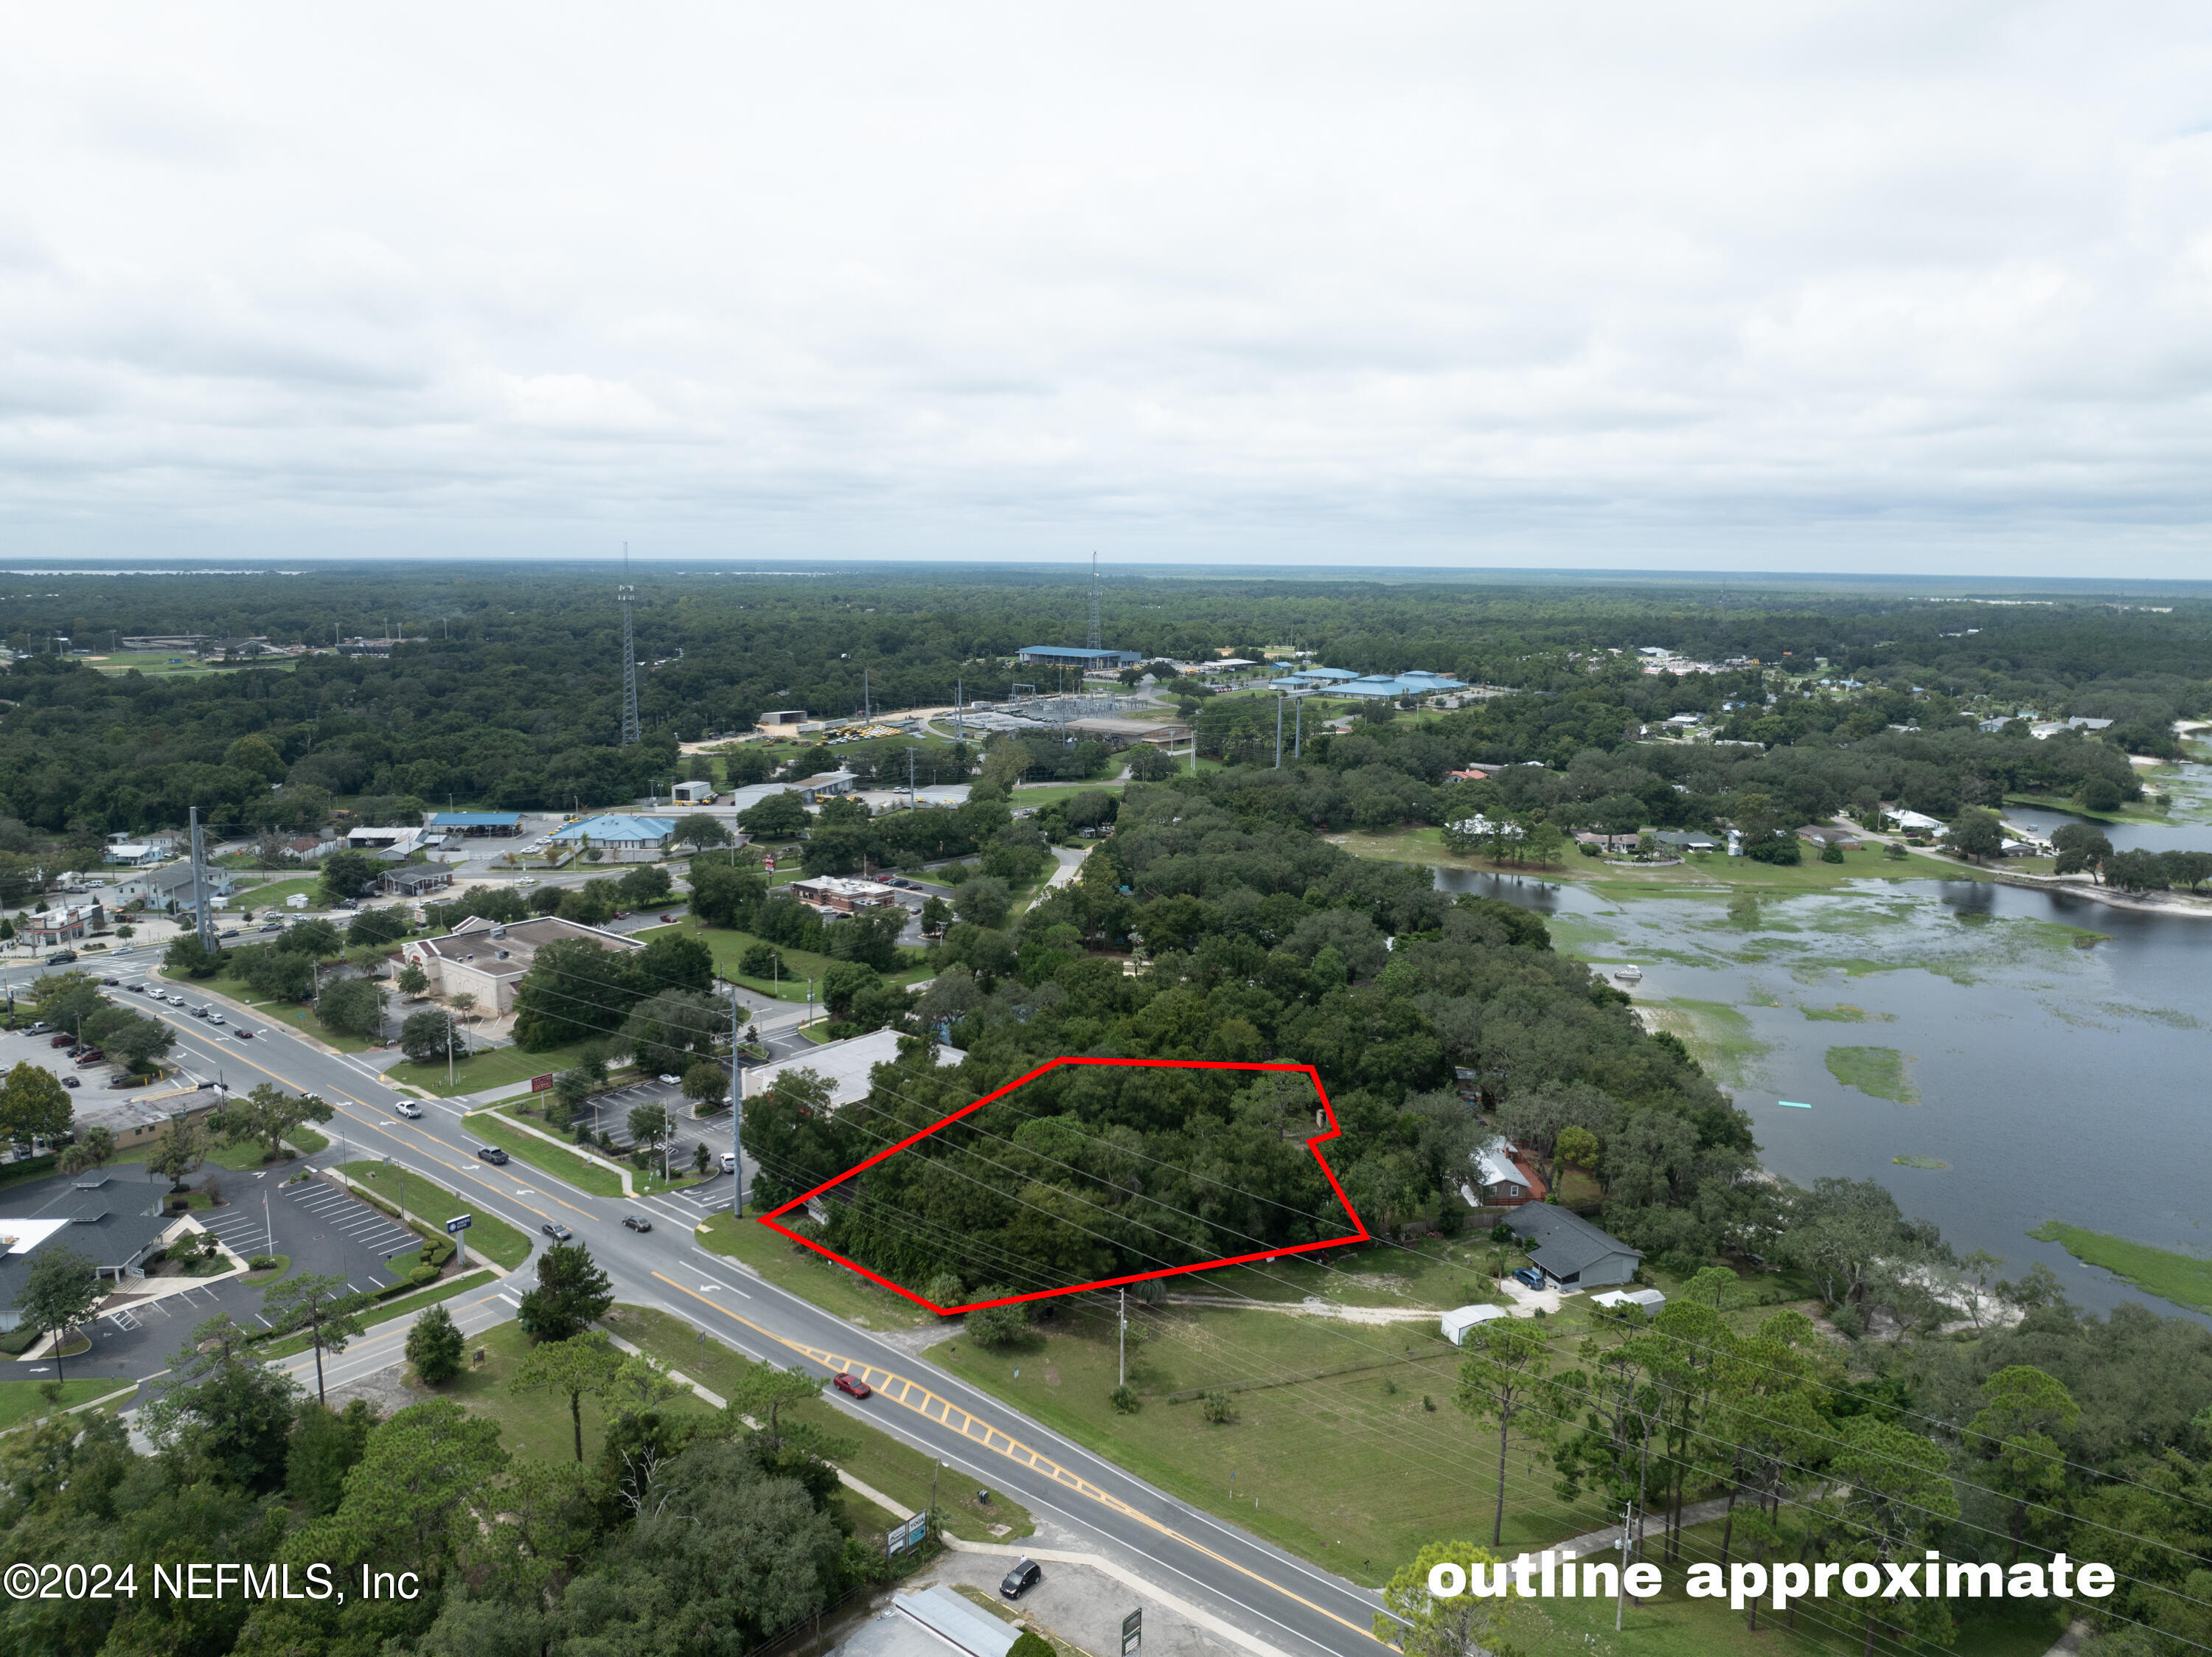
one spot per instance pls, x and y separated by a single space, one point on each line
620 829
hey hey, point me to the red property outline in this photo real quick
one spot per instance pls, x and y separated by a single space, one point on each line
1358 1233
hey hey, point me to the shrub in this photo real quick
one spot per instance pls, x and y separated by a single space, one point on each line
1124 1398
434 1346
1218 1410
1029 1644
262 1263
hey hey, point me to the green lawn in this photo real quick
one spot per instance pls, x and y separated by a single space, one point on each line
1614 880
1350 1469
645 1183
803 966
876 1459
398 1306
270 894
807 1274
20 1400
2135 811
535 1423
1671 1624
244 1158
488 1067
586 1173
2184 1279
489 1236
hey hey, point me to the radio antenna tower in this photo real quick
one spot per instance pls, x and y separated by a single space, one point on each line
626 595
1090 639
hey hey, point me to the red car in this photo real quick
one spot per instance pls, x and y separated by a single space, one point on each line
853 1384
666 920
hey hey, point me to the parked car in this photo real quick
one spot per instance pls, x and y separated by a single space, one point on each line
406 1107
1019 1580
62 1041
1529 1276
90 1056
853 1387
71 1082
556 1231
492 1154
673 1081
636 1223
36 1027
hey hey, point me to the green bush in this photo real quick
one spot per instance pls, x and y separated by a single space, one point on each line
262 1263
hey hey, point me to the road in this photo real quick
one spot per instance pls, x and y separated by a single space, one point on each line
1281 1599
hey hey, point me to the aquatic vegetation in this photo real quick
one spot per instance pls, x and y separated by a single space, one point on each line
1876 1070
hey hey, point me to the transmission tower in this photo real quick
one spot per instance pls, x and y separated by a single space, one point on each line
1091 640
626 595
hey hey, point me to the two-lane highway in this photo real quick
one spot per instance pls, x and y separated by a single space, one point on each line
1290 1604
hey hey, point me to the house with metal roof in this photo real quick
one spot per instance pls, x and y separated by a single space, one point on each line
1571 1251
621 836
1501 1178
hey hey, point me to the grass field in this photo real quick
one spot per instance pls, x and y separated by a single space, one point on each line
807 1274
1354 1470
644 1181
487 1066
2184 1279
260 894
535 1423
20 1400
1876 1070
490 1237
876 1459
801 966
236 1159
587 1174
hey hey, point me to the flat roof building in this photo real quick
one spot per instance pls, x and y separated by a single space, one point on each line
477 822
843 896
845 1065
1067 655
488 958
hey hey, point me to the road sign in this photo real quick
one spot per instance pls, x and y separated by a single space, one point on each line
1132 1632
457 1225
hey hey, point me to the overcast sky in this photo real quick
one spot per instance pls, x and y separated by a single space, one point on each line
1860 287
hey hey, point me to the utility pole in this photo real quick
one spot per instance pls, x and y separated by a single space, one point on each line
199 885
1091 638
1278 730
959 732
909 779
626 595
737 1127
1121 1343
1621 1595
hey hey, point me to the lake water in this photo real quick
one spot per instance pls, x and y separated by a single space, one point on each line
2050 1051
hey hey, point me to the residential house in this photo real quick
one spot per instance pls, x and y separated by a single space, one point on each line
168 888
486 959
1471 774
1823 834
1572 1252
140 850
1502 1178
1686 840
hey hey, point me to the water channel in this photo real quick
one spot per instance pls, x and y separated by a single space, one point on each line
2036 1056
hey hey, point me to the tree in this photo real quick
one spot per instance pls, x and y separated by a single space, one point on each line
649 883
132 1041
2101 794
1496 1380
94 1147
267 1115
349 874
426 1036
1577 1148
667 1031
650 1127
1977 833
994 1328
706 1083
434 1346
572 1293
426 1477
722 895
573 1088
2136 870
1832 853
984 901
352 1007
1153 765
178 1154
1421 1623
325 1305
325 1444
61 1288
224 1408
2012 1436
2081 847
936 914
33 1104
185 955
572 1367
699 831
412 979
317 940
763 1390
377 927
778 817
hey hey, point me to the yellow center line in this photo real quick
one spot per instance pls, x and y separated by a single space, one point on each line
913 1396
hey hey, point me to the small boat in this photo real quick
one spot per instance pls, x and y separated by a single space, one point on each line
1631 974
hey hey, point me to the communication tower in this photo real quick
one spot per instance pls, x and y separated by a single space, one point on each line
1090 639
626 595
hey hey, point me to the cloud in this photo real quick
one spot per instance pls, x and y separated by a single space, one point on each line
1855 285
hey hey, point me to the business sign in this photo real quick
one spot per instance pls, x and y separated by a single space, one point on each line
907 1535
1132 1632
457 1225
540 1084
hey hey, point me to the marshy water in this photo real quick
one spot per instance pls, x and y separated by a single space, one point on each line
1995 1056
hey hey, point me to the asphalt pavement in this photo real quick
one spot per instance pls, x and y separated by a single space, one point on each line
1095 1505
